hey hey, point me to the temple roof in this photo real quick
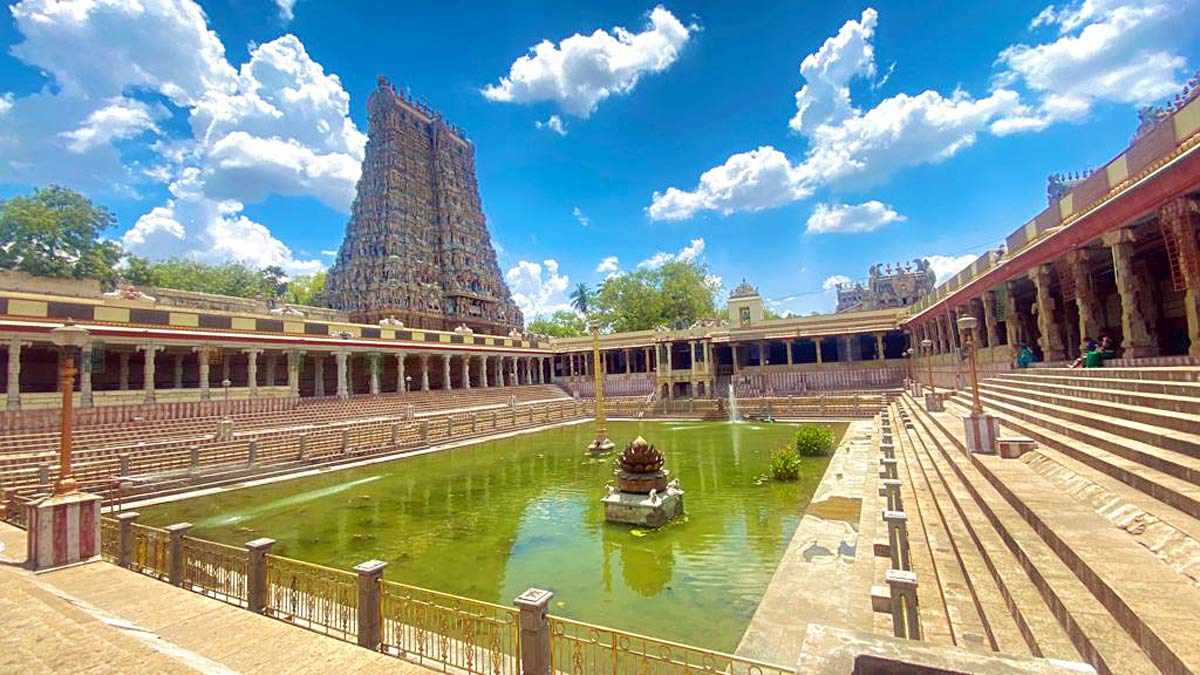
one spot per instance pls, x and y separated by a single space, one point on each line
744 290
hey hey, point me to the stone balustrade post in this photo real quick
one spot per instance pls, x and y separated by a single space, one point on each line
44 477
302 441
256 574
897 527
123 464
176 533
535 631
345 441
194 461
252 454
425 432
902 584
891 491
888 467
395 434
370 617
125 521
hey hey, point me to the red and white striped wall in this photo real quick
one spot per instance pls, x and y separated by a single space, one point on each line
63 530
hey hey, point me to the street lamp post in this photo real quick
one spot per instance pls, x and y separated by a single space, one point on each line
601 443
68 337
927 345
966 327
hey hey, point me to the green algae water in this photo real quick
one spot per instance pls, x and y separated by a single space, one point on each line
490 520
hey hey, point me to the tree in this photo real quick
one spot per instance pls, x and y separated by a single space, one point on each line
301 290
675 294
56 232
231 278
563 323
581 297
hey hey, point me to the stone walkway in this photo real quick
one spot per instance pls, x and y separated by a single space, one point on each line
98 618
828 544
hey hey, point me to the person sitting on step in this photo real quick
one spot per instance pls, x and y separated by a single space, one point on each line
1103 352
1089 345
1024 356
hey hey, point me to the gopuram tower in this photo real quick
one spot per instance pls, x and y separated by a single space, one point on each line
417 245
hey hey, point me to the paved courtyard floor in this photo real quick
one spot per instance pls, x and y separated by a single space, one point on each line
98 618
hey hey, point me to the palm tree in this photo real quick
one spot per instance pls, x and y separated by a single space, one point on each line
580 298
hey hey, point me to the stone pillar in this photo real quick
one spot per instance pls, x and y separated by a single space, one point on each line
446 372
483 370
879 346
939 342
226 365
373 362
271 379
646 359
256 577
177 375
497 370
294 358
424 372
535 631
150 350
85 375
13 396
817 342
466 371
513 371
342 358
1051 338
175 534
1137 301
1086 303
401 384
123 371
370 619
318 374
1178 216
989 318
628 357
125 521
202 360
1012 322
788 345
252 370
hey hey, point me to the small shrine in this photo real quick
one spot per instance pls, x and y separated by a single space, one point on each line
642 496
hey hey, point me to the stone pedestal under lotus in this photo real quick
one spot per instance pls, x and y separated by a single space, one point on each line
643 495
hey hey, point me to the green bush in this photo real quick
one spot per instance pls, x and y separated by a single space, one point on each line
785 464
814 441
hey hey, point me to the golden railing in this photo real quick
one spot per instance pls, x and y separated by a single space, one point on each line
449 632
110 539
583 649
149 547
216 570
314 597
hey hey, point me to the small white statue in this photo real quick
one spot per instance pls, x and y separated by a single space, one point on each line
610 489
391 320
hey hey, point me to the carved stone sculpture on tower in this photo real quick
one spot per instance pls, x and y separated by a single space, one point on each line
417 246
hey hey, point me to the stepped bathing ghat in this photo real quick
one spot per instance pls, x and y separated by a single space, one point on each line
399 480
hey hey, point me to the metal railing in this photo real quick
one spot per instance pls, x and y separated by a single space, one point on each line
216 570
448 631
148 546
319 598
580 648
110 539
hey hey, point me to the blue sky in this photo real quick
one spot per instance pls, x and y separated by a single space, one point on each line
787 143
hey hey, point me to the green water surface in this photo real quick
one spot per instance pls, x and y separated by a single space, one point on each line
488 521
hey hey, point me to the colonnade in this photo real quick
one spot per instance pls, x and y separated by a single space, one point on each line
32 366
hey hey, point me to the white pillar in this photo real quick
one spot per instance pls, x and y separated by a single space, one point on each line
318 375
149 350
446 372
483 371
272 357
13 398
513 371
123 372
177 375
252 370
424 372
466 371
85 375
343 373
373 360
294 358
202 359
401 385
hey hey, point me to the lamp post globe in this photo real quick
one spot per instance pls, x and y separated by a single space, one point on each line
67 337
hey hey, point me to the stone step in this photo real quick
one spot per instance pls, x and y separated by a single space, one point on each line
1172 451
1113 391
1155 606
1166 387
1136 464
1094 633
1124 410
1171 374
1016 618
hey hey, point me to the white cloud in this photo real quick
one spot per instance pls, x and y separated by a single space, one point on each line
841 218
847 147
748 181
1106 50
120 118
609 264
825 96
328 253
6 103
581 216
946 266
583 70
831 283
553 123
276 125
693 251
287 9
538 289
